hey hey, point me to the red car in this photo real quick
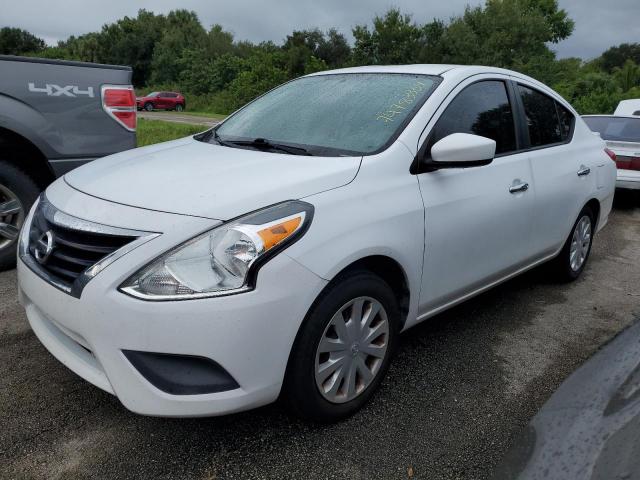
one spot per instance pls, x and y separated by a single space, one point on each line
161 101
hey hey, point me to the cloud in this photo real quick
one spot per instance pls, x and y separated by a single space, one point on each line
599 24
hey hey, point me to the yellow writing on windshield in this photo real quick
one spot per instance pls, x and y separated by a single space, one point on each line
405 102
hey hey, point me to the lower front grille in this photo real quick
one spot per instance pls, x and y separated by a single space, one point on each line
68 251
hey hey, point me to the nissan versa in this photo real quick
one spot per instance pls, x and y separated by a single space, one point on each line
282 252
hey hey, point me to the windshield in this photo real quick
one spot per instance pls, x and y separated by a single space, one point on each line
153 94
348 114
619 129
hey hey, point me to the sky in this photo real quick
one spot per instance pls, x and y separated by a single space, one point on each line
599 23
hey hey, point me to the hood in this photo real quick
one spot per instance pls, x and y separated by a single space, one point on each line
194 178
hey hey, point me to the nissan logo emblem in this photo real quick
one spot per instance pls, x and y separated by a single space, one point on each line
44 247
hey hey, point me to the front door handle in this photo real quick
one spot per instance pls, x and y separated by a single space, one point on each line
583 171
521 187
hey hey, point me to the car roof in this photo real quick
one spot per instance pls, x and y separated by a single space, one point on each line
609 115
424 69
629 101
445 70
451 72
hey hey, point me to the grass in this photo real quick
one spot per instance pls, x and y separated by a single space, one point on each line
215 116
156 131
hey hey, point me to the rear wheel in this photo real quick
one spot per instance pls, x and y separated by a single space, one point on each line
572 260
17 194
148 107
343 348
179 107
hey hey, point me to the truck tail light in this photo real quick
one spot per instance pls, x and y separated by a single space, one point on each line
119 101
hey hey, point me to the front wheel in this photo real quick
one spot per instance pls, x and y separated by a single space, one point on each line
179 107
148 107
572 260
343 349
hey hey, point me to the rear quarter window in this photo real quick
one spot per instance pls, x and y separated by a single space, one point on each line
548 122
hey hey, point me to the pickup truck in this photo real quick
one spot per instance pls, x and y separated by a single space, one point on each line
54 116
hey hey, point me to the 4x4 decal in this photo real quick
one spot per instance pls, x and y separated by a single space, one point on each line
54 90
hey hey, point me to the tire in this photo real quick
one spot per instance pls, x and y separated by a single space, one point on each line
565 266
148 107
15 186
179 107
303 383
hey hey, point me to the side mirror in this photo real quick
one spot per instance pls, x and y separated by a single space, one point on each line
460 150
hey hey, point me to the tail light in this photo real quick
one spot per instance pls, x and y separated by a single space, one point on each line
628 163
119 101
611 154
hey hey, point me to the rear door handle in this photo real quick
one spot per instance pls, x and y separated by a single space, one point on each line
521 187
584 171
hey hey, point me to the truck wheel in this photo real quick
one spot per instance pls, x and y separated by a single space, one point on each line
148 107
17 194
343 349
179 107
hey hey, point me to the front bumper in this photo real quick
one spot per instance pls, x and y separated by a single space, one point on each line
628 179
249 335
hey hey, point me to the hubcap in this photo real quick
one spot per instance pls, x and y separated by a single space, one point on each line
352 349
580 243
11 216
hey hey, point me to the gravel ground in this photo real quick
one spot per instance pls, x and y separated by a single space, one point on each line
459 391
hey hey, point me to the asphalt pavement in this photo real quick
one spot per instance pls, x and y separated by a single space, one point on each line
460 390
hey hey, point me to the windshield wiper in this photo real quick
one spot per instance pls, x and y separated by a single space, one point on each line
217 138
267 144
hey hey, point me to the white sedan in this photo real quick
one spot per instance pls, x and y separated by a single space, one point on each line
282 252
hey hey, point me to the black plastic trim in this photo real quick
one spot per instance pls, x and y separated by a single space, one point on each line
181 374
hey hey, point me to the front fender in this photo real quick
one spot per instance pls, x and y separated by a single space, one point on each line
379 213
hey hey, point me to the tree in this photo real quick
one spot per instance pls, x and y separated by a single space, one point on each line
14 41
183 31
265 70
333 50
506 33
628 76
219 42
395 39
617 56
557 20
313 50
85 48
201 74
131 41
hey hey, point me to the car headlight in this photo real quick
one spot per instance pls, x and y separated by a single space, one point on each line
223 260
